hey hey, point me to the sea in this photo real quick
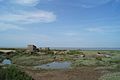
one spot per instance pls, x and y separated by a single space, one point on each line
82 48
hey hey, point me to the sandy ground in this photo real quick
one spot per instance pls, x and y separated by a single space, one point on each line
83 73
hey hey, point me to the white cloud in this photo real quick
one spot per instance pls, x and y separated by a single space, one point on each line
4 27
86 6
104 29
26 2
93 3
70 33
95 29
29 17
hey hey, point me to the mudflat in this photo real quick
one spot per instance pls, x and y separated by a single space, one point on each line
83 73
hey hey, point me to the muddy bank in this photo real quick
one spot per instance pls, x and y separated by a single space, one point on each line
83 73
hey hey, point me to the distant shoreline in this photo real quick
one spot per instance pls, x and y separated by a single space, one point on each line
80 48
68 48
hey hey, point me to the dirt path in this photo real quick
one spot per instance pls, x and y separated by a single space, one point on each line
85 73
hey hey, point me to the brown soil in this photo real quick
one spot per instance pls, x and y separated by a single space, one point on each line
84 73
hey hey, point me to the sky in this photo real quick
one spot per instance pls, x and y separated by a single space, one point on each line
60 23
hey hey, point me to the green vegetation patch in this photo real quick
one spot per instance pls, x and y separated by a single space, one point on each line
111 76
72 52
13 73
85 62
115 59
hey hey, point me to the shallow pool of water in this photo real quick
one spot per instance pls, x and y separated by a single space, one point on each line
55 65
7 61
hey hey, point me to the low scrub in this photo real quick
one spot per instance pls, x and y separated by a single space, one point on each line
111 76
13 73
115 59
85 62
1 58
72 52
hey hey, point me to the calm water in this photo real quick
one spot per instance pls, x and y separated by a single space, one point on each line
83 48
7 61
55 65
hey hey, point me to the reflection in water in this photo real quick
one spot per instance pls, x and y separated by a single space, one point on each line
55 65
7 61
